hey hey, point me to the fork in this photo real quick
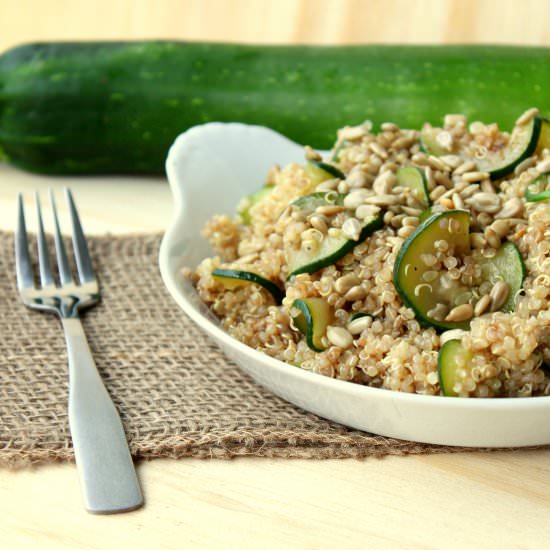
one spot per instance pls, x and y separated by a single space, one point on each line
106 471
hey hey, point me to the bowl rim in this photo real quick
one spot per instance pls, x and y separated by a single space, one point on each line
215 332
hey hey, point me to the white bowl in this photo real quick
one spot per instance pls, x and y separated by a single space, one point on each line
210 167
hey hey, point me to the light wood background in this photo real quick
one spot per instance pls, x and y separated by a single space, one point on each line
496 500
278 21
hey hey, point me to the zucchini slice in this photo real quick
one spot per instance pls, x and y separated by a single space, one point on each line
539 189
415 179
332 247
319 172
429 143
544 137
409 270
506 265
234 278
243 209
425 215
312 318
452 357
523 142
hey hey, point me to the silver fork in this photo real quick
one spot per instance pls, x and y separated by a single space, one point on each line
103 460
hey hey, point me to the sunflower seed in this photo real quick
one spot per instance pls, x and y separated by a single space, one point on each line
311 154
512 208
543 166
499 295
457 201
484 202
358 325
329 210
345 282
355 293
384 183
365 211
460 313
356 178
351 228
524 164
493 240
339 336
355 198
527 116
352 133
382 200
475 176
319 223
465 167
481 305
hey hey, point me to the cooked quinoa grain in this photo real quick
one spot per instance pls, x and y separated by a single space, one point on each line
370 335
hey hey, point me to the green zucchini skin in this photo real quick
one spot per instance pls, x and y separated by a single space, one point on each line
108 107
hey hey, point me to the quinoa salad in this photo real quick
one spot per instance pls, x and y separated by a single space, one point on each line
410 260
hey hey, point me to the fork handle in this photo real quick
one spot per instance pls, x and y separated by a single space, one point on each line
107 474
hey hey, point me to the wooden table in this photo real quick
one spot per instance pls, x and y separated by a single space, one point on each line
450 501
441 501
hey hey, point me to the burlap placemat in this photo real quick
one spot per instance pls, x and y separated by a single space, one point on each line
177 394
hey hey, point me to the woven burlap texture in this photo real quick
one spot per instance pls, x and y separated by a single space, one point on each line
177 394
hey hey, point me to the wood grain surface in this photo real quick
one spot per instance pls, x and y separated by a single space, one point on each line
490 500
278 21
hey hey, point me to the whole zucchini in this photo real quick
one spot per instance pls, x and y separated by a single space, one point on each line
109 107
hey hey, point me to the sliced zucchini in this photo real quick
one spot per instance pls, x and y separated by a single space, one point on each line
425 214
429 142
451 359
333 246
523 142
243 209
544 137
539 189
506 265
234 278
409 270
415 179
318 172
312 317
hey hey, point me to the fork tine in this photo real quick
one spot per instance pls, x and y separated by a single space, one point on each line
23 264
82 255
46 277
65 275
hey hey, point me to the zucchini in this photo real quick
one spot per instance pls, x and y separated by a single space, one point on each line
429 143
523 142
115 107
544 138
539 189
415 179
317 172
421 288
332 247
243 209
451 359
409 269
235 278
311 318
506 265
